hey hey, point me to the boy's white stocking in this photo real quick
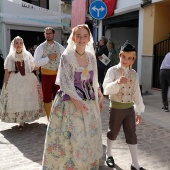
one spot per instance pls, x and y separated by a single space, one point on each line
109 147
134 156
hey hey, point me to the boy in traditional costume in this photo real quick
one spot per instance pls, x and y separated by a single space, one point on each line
126 104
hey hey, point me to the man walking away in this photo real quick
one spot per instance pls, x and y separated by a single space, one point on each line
165 81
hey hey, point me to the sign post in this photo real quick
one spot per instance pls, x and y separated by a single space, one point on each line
98 9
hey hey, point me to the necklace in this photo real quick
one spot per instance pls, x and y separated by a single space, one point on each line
79 53
18 52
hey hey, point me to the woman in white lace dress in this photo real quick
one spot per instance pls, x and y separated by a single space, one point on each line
73 139
21 96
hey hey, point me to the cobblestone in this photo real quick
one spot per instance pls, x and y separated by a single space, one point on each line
22 150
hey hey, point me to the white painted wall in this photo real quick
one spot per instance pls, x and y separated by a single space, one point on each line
154 1
125 6
140 47
126 3
23 18
100 30
55 5
10 8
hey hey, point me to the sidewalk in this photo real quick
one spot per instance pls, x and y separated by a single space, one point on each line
153 112
22 150
153 138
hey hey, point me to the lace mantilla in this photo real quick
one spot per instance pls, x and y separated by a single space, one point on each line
65 77
28 60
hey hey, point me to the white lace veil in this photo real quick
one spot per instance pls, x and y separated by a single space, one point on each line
27 57
70 51
71 45
12 50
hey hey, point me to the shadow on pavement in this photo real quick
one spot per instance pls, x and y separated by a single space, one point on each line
103 165
153 145
29 141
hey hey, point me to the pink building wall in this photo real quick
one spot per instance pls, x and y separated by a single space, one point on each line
78 13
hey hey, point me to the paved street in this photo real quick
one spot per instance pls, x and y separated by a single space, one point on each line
22 150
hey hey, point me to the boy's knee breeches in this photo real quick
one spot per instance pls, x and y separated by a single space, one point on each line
125 118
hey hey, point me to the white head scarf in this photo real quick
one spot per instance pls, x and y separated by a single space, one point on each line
71 45
27 57
70 49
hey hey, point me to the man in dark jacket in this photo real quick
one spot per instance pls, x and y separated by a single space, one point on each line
101 67
165 81
1 71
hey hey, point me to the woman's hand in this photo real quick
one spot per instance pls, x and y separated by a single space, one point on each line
6 77
100 57
36 68
52 56
100 100
5 84
79 105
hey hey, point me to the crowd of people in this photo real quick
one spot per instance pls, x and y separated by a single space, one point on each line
32 49
73 81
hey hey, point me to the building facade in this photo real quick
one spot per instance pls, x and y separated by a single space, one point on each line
28 19
144 23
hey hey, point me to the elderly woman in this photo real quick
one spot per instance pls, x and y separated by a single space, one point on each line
21 97
113 54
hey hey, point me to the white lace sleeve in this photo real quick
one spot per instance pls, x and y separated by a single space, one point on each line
32 64
110 87
65 77
139 106
9 64
29 62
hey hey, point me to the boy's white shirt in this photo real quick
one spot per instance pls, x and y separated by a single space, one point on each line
123 93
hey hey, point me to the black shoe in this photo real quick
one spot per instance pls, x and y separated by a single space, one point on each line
165 108
110 162
20 127
133 168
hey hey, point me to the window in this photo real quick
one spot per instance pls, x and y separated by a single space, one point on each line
40 3
34 2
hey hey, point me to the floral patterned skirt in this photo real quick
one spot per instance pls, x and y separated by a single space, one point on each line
21 100
73 139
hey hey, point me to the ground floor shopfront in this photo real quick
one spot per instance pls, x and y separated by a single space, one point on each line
143 27
32 35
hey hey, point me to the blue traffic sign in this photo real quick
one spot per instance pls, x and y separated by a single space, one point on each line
98 9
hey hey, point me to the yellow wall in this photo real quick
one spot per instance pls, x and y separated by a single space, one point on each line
156 25
148 30
162 22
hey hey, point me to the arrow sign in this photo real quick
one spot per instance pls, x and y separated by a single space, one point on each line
98 9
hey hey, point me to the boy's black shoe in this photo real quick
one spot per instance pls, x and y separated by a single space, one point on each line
165 108
133 168
110 162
